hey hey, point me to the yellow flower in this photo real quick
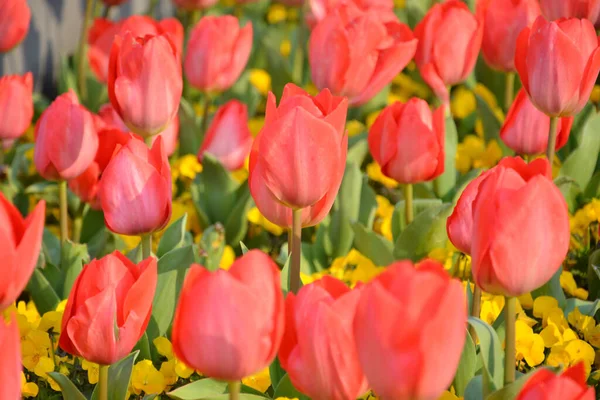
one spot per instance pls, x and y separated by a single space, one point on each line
580 321
370 120
227 258
470 149
595 96
254 216
255 124
259 381
167 368
164 347
146 378
44 365
491 307
311 89
579 350
260 79
526 301
405 87
182 370
529 345
355 127
567 282
490 157
93 371
463 102
592 335
186 167
29 311
399 3
542 306
286 398
447 395
51 320
28 389
375 174
35 347
383 217
285 47
277 13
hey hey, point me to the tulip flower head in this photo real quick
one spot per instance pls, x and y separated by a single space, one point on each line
14 23
546 385
557 9
16 105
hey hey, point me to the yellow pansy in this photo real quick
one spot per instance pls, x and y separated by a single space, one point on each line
44 365
259 381
542 306
592 335
227 258
93 371
51 320
405 87
447 395
34 347
526 301
491 307
490 157
375 174
463 102
580 321
554 335
354 127
29 311
146 378
383 217
277 13
28 389
164 347
311 89
285 47
529 345
261 80
254 216
167 368
567 282
186 167
579 350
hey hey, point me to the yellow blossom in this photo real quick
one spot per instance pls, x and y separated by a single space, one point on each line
51 320
463 102
93 371
227 258
447 395
44 365
167 368
529 346
595 96
285 47
146 378
34 348
526 301
383 217
352 268
375 174
370 120
567 282
354 127
579 350
164 347
255 124
186 167
261 80
28 389
311 89
259 381
592 335
491 307
277 13
542 306
255 217
405 87
490 157
580 321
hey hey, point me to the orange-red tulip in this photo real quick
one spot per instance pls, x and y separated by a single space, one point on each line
66 139
228 138
20 244
318 350
546 385
410 327
135 189
10 362
16 105
191 5
558 63
234 328
520 233
556 9
407 141
355 53
319 9
298 158
144 82
103 32
14 23
108 308
503 20
217 53
449 41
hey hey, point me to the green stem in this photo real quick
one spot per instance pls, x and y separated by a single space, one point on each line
81 76
509 90
78 222
205 108
148 141
296 250
289 241
409 211
103 383
475 307
552 140
52 353
146 246
106 11
510 311
234 390
64 214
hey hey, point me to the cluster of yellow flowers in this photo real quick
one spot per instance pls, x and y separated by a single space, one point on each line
351 268
585 225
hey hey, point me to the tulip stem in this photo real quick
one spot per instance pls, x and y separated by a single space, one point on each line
205 108
81 55
78 222
409 211
64 214
552 140
509 90
296 250
103 383
234 390
475 307
510 311
146 245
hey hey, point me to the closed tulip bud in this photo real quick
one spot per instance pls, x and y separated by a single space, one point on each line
298 158
449 41
66 139
319 9
546 385
144 82
135 189
10 362
556 9
356 54
217 53
246 324
409 340
558 63
103 32
108 308
407 141
503 20
525 129
318 350
16 105
228 138
20 244
191 5
530 235
14 21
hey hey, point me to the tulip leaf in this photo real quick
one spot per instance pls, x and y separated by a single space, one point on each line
189 129
368 204
466 367
201 389
119 375
346 209
73 257
589 308
491 124
51 247
358 150
581 163
371 245
570 190
69 390
490 351
416 10
510 391
276 372
143 346
399 215
425 233
236 224
174 236
444 183
43 295
593 274
474 390
212 246
285 388
244 248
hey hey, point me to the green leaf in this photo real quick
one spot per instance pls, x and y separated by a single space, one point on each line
368 204
466 367
589 308
416 10
174 236
143 346
510 391
552 288
491 124
51 247
358 151
236 225
69 390
74 256
45 190
212 246
593 274
474 390
373 246
286 389
446 182
425 233
276 372
581 163
570 190
189 129
43 295
399 215
490 351
244 248
201 389
119 375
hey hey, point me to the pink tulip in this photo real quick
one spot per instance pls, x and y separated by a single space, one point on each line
556 9
14 23
10 362
191 5
569 385
319 9
16 105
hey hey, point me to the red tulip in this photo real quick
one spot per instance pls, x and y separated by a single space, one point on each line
191 5
407 141
503 21
217 53
135 189
520 233
319 9
103 32
558 63
556 9
546 385
228 138
66 139
108 308
20 244
10 362
355 53
525 129
410 327
298 158
449 42
144 82
16 105
233 336
14 23
318 350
